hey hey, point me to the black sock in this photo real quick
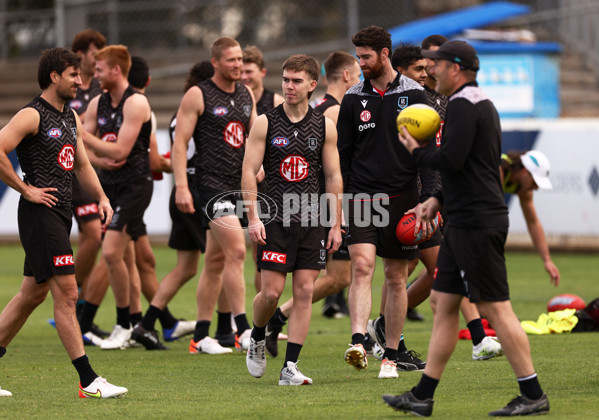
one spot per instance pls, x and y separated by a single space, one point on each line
122 317
476 331
278 319
242 323
2 351
530 387
79 307
258 333
87 316
292 353
149 320
85 371
223 326
201 331
167 320
402 345
357 338
390 354
425 388
135 318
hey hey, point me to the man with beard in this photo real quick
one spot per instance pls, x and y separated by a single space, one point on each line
384 175
121 120
47 136
217 113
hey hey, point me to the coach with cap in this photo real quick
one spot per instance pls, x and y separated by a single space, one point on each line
471 260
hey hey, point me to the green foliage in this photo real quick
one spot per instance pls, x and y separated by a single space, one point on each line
176 384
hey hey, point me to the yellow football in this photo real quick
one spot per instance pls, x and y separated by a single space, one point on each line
422 121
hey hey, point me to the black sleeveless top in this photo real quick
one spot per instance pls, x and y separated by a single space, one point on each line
47 159
109 123
292 158
219 136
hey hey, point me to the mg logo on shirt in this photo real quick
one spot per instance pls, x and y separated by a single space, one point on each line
63 260
109 137
66 157
235 134
365 116
294 168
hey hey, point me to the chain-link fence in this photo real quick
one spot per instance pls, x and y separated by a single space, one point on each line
158 26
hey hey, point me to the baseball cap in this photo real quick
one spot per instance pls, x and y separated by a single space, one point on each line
455 51
538 165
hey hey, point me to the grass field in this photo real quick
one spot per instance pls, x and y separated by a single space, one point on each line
175 384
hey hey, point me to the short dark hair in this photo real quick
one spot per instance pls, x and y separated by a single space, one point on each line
85 38
336 62
252 54
433 41
221 44
198 73
302 62
374 37
55 59
405 55
139 73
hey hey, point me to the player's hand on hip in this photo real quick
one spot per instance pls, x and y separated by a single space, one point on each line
256 231
184 200
334 240
40 195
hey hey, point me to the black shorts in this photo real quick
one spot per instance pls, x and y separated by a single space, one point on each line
292 248
44 234
435 240
187 233
379 228
85 209
215 204
471 263
129 200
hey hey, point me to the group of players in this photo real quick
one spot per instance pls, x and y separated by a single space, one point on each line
234 143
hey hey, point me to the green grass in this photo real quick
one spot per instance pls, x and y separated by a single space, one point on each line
175 384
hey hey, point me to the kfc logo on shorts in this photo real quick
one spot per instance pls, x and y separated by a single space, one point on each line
63 260
235 134
66 157
294 168
87 209
274 257
109 137
365 116
54 133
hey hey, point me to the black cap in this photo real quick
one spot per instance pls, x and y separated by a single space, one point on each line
457 52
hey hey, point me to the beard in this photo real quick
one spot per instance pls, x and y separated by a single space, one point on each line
374 71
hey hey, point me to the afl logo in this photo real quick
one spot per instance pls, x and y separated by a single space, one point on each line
76 104
66 157
235 134
280 141
220 111
54 133
109 137
365 116
101 121
294 168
